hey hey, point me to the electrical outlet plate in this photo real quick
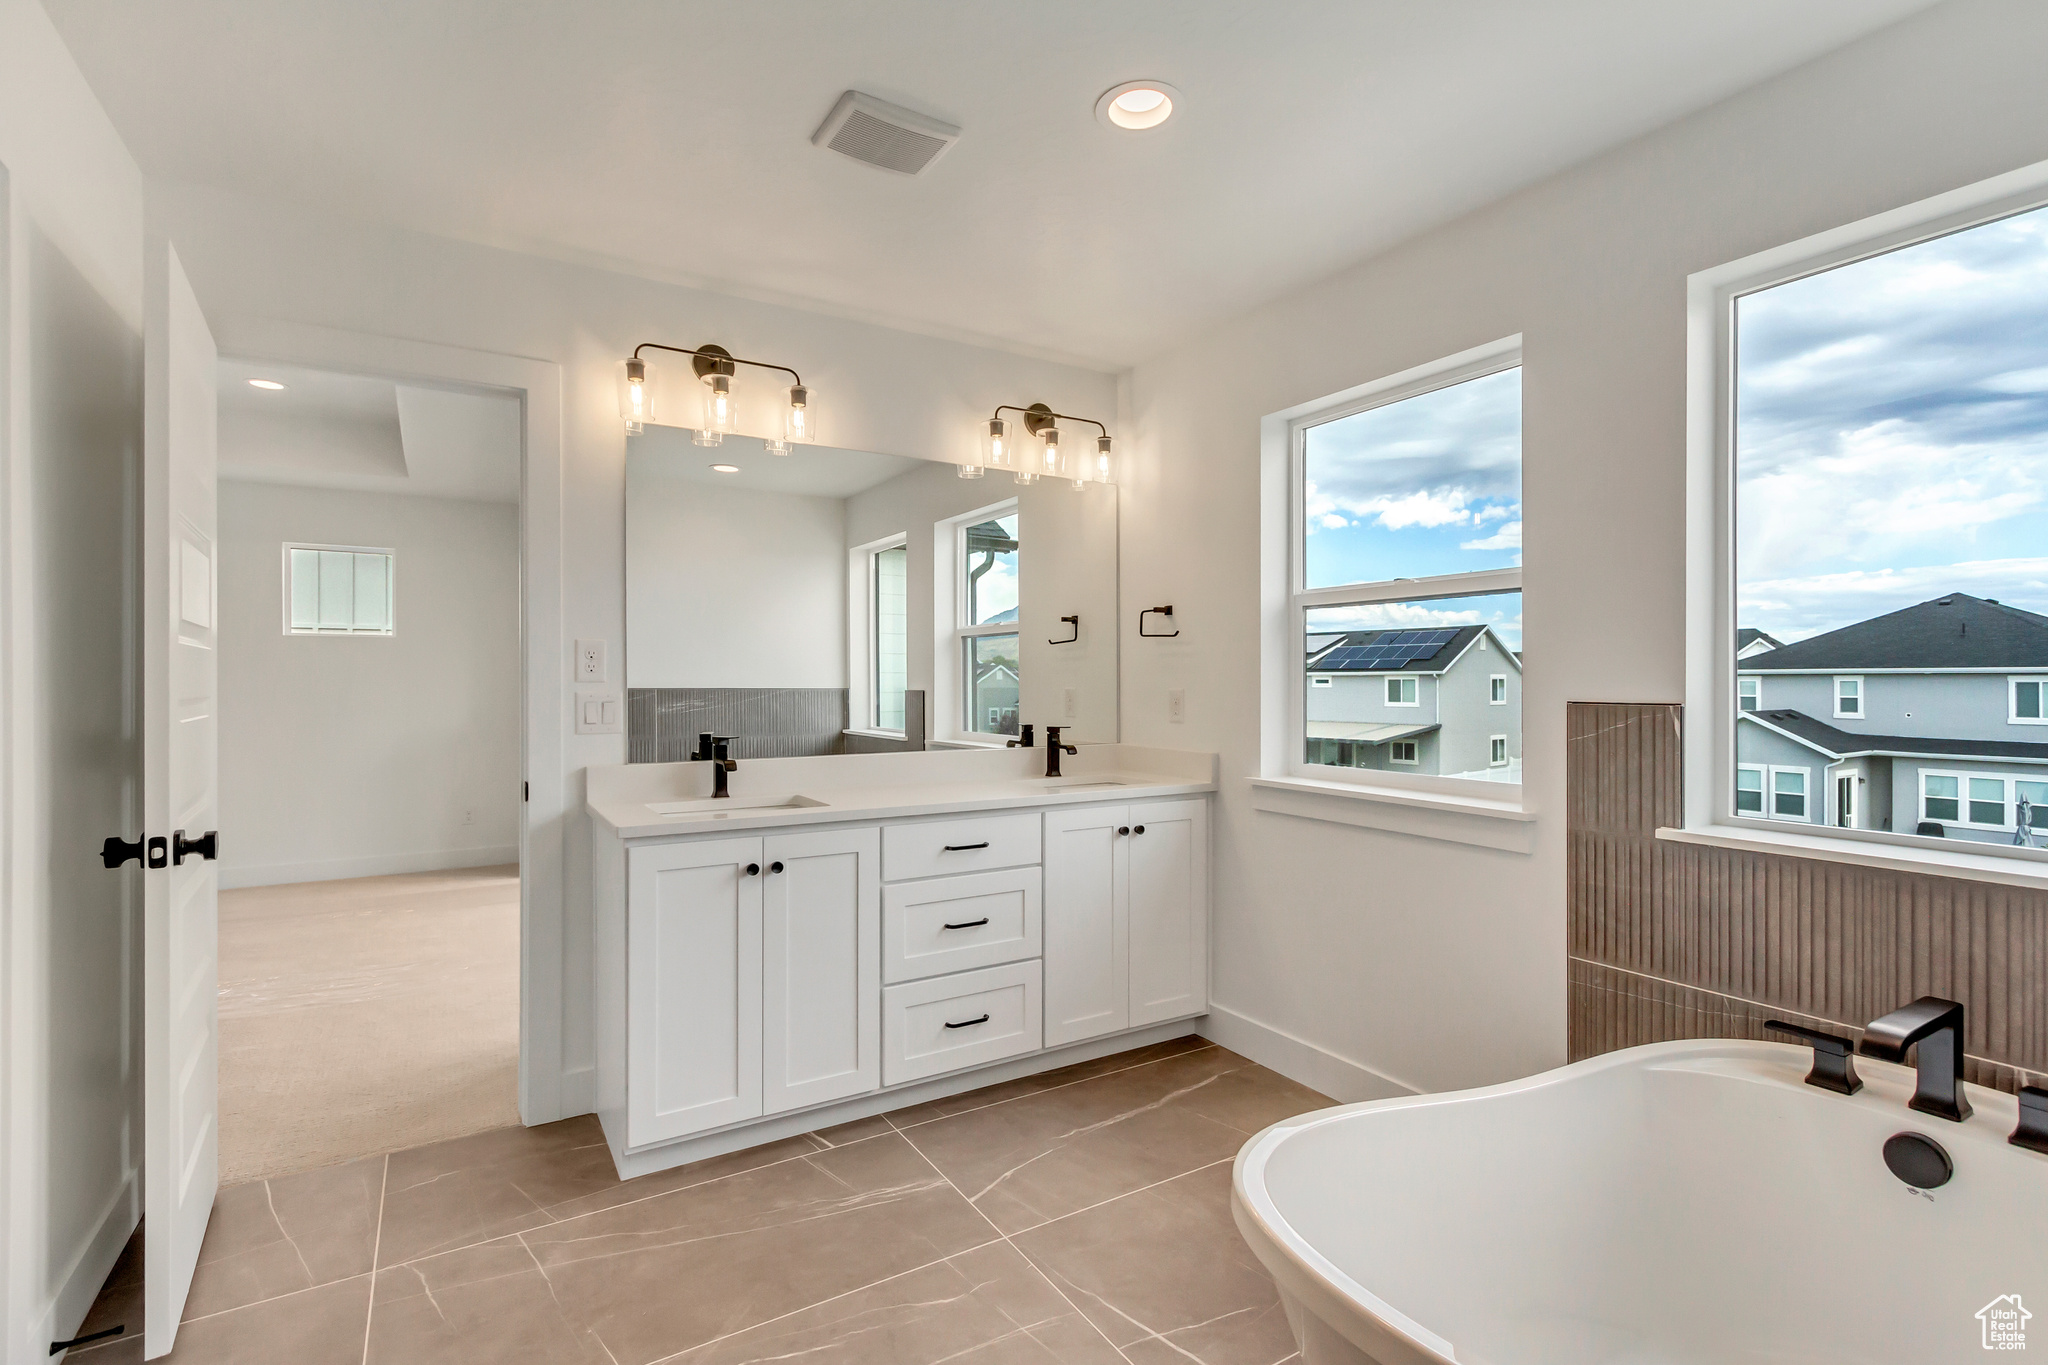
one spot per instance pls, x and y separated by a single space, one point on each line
590 661
600 713
1177 705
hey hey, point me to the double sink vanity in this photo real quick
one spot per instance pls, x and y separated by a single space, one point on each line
847 934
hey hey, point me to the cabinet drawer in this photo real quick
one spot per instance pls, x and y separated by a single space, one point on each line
933 848
952 924
993 1013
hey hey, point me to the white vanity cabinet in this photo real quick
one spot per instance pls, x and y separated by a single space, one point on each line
799 971
753 978
1126 916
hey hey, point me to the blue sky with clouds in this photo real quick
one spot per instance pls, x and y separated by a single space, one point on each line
1501 610
1892 432
1428 485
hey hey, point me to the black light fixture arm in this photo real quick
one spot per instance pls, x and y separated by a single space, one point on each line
1038 412
717 356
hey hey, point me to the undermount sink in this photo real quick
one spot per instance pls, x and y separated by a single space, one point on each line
1069 784
719 808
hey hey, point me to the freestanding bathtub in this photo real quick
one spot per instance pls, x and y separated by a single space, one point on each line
1685 1203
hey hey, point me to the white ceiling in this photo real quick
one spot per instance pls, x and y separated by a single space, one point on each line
816 471
326 430
671 137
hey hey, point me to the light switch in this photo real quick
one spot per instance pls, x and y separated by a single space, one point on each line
599 713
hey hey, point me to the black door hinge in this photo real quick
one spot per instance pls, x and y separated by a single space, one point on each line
150 852
526 791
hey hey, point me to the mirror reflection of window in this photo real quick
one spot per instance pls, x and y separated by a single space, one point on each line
988 628
889 650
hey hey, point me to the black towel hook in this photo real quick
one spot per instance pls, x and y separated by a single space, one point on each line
1155 634
1075 622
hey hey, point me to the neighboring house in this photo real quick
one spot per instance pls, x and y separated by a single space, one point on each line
1749 640
1446 702
1933 718
995 697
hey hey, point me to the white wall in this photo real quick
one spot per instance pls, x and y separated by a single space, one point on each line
879 389
357 756
1438 964
70 458
732 587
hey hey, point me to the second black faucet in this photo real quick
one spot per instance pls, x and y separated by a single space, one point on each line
1053 750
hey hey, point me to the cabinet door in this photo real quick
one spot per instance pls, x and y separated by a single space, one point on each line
1168 853
821 1008
1087 990
693 987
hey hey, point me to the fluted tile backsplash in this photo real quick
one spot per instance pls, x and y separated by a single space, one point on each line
1678 941
662 723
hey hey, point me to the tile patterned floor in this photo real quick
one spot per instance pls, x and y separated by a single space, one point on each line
1081 1216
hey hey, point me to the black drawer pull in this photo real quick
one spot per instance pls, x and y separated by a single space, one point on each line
970 924
964 848
969 1023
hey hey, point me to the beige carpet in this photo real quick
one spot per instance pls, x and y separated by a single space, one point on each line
363 1016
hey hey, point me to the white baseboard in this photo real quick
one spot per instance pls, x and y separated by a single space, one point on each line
1318 1068
88 1271
579 1091
375 865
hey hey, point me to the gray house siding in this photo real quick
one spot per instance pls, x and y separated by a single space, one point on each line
1927 705
1756 746
1456 700
1907 793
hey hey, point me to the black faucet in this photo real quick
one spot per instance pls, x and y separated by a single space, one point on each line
1936 1026
1024 739
1834 1066
1053 750
715 750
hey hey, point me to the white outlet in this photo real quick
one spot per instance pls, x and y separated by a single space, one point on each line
469 817
590 661
1177 705
1073 703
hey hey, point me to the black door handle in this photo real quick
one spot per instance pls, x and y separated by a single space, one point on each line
775 867
965 848
116 851
207 846
969 1023
969 924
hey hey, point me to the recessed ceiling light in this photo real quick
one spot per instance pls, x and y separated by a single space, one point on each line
265 384
1137 105
725 469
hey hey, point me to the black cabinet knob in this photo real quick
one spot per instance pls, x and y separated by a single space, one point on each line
1123 829
1137 829
753 869
775 867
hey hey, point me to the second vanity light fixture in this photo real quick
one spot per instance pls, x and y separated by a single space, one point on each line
1036 453
716 367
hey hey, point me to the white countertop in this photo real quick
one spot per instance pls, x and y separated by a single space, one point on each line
850 787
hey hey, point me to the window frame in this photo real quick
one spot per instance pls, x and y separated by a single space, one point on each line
1756 693
2012 699
1497 743
1805 816
2009 784
1862 710
1491 679
1710 745
964 634
862 647
1288 664
1395 687
390 591
1414 748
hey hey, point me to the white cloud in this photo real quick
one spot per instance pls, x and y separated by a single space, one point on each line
1508 537
1794 608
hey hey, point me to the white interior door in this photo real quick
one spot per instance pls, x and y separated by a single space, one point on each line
180 803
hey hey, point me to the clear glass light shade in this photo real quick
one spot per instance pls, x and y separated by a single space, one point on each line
636 400
998 445
800 416
1105 462
1048 463
721 410
969 471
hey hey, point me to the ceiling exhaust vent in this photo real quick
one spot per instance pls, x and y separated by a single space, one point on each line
884 134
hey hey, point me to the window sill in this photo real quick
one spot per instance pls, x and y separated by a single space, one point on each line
872 734
1422 814
1945 862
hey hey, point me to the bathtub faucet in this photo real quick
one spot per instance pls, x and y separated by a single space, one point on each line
1936 1025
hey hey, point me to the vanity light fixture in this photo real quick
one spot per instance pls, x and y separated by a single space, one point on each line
1136 106
265 384
998 449
716 367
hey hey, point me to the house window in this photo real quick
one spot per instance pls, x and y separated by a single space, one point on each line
338 590
888 634
1497 750
1322 680
1854 505
1788 793
986 631
1405 530
2028 701
1991 802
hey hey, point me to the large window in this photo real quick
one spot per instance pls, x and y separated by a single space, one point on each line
987 628
1888 430
1407 550
889 634
338 590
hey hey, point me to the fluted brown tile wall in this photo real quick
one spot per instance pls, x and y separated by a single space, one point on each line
1674 940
